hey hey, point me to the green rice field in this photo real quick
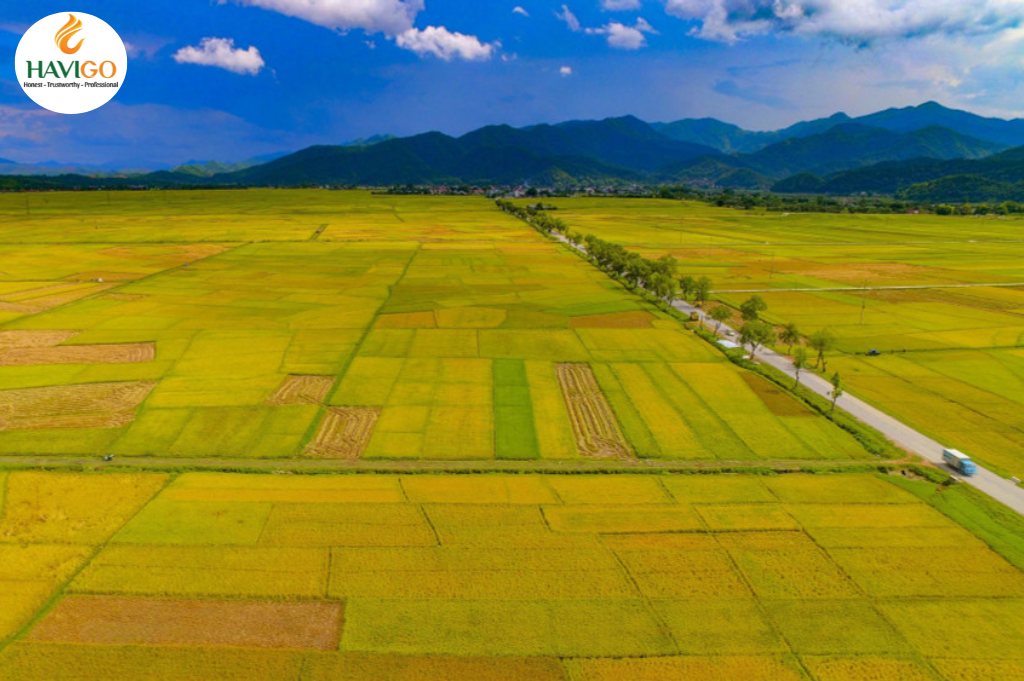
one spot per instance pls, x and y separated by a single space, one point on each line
347 325
952 361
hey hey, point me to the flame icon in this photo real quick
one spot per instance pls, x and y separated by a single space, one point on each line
68 32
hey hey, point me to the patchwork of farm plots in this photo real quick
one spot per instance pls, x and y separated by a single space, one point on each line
956 368
581 577
507 347
223 216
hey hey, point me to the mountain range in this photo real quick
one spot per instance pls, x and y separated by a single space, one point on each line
886 152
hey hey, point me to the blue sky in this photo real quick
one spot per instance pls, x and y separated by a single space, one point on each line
230 79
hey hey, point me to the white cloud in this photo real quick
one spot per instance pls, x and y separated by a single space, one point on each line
221 52
520 10
623 37
620 5
145 46
565 71
390 17
569 18
860 21
445 44
393 18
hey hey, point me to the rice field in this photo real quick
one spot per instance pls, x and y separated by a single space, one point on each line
348 325
952 361
224 328
496 577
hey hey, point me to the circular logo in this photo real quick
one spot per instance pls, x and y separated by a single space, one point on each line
71 62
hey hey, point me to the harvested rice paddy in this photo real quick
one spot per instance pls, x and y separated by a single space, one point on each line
496 576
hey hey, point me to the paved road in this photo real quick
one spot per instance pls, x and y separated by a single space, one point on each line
998 488
903 435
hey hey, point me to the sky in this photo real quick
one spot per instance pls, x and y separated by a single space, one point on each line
232 79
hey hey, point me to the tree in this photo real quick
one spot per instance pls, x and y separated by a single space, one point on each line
662 286
790 336
752 308
666 265
721 314
800 360
702 290
821 341
756 334
686 286
837 389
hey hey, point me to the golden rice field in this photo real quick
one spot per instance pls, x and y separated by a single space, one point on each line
212 575
956 368
346 325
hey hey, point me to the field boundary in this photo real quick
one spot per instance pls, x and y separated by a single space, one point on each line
306 466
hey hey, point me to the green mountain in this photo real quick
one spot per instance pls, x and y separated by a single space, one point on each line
711 132
852 145
730 139
627 142
957 189
1006 168
900 148
713 172
1009 133
432 158
579 151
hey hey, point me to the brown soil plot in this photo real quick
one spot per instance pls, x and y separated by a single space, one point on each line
19 309
593 422
34 339
343 433
56 299
127 353
111 620
302 390
92 405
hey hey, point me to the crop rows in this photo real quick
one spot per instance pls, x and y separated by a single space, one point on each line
589 576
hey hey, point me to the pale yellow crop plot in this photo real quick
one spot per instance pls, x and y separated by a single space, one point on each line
50 526
558 576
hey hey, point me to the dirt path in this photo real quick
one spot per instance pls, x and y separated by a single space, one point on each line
307 465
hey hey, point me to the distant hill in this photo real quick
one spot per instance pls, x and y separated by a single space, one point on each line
853 145
211 168
716 171
998 170
433 158
627 142
577 151
957 189
730 139
885 152
1008 133
365 142
710 132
